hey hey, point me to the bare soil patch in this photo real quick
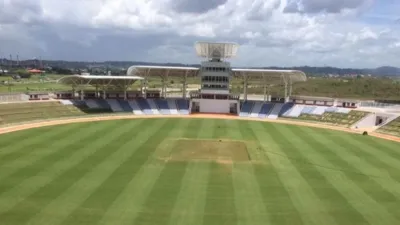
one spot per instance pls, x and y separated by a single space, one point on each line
221 151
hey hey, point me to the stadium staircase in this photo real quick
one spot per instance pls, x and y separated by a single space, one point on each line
256 109
115 106
153 106
274 113
319 110
391 128
265 110
163 107
294 112
285 108
93 104
144 105
125 106
183 106
103 104
135 107
247 107
308 110
172 105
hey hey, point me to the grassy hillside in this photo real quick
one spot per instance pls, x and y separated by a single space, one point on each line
137 172
362 88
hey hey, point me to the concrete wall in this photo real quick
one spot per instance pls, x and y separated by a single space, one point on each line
214 105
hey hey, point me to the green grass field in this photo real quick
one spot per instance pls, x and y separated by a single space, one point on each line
151 171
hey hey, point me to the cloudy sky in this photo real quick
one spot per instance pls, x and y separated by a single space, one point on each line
344 33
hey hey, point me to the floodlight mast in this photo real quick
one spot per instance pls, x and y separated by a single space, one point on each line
216 51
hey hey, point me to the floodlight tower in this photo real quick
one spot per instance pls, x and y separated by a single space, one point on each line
215 71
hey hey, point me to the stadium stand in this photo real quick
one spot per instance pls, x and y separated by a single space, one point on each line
20 112
162 105
144 105
103 104
172 105
295 111
319 110
274 113
153 106
125 105
336 118
135 107
91 103
183 106
247 107
114 104
265 110
308 110
392 128
255 111
285 108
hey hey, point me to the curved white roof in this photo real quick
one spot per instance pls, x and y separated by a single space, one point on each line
216 50
293 75
98 80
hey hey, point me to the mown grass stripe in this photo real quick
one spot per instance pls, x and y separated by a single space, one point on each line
219 129
10 139
12 177
382 193
219 202
372 211
158 206
66 179
128 204
189 207
378 158
64 205
275 197
250 208
336 202
232 129
312 209
192 131
148 137
18 193
208 130
391 147
30 145
220 205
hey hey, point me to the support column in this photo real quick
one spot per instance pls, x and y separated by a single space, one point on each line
125 88
82 98
145 88
245 86
104 94
286 88
141 86
184 84
97 91
290 88
73 92
265 87
165 82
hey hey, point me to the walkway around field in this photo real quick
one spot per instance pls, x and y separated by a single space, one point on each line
30 125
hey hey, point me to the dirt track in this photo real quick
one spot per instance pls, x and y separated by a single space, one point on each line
213 116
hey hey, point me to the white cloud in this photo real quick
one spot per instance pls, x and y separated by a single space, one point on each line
271 32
